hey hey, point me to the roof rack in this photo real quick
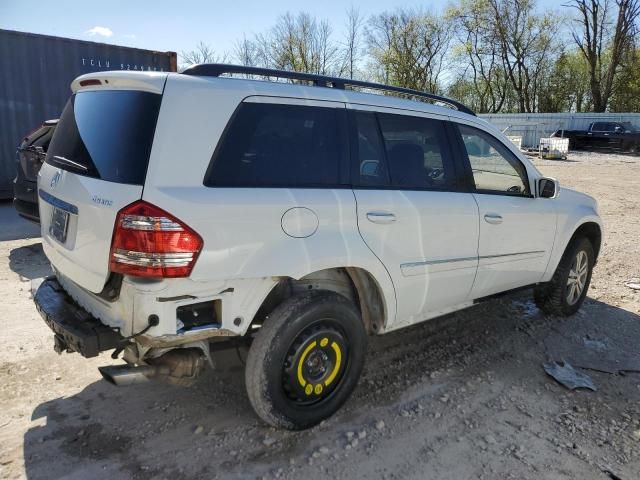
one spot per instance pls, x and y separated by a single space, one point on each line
217 69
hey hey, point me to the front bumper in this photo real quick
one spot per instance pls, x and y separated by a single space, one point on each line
75 329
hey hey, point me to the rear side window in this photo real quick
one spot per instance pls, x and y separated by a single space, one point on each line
106 134
417 153
272 145
371 166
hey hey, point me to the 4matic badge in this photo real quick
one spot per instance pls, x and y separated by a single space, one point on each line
101 201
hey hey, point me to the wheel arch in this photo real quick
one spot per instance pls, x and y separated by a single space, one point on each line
593 232
354 283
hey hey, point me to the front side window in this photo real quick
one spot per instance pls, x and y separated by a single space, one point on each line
274 145
495 169
416 152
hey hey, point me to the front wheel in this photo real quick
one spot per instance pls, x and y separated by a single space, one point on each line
306 360
566 291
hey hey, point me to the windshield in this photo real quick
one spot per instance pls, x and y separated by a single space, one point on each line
106 134
630 126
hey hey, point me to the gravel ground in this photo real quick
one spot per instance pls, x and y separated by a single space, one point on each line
460 397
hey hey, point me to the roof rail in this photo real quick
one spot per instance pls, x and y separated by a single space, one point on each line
217 69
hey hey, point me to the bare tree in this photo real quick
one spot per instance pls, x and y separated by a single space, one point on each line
479 55
246 52
525 46
604 43
353 47
203 53
408 48
299 43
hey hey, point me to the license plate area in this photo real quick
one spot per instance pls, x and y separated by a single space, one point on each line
59 224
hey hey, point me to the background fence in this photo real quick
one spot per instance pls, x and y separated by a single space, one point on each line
534 126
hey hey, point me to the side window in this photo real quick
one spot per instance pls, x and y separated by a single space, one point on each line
371 165
273 145
599 127
417 153
494 167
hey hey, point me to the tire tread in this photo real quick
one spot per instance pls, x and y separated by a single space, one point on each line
261 350
549 297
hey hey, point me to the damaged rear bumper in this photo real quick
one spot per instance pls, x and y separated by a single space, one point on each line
75 329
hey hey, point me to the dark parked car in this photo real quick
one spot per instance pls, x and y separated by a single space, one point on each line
29 159
604 135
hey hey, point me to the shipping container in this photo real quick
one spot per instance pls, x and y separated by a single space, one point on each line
35 74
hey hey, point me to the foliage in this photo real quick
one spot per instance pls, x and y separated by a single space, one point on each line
407 48
493 55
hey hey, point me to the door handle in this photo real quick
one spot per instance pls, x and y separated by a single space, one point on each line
381 217
493 218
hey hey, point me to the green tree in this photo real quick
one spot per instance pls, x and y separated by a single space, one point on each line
566 87
626 96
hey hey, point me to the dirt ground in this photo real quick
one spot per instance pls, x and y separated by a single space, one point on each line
456 398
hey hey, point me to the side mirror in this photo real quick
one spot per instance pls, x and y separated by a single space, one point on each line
548 188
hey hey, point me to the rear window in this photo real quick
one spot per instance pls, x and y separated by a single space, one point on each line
106 134
272 145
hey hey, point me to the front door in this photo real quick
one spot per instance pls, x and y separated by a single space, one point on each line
516 229
411 211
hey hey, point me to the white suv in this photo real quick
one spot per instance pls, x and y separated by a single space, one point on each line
183 213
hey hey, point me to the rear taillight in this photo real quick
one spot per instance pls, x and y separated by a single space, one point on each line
149 242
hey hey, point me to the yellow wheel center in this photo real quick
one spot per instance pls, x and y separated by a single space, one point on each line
324 349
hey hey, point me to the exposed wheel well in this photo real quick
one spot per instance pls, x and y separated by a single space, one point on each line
356 284
591 231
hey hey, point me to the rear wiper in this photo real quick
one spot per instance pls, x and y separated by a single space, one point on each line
71 163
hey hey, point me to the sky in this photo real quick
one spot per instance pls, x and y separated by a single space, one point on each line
178 25
170 25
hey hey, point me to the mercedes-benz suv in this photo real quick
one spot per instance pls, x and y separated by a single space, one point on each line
183 213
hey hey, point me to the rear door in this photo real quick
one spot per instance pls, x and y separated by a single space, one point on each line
411 211
598 136
517 230
95 165
276 199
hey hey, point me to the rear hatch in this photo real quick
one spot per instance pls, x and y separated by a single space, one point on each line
95 165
